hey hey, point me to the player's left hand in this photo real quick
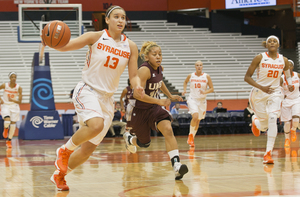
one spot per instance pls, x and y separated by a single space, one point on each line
202 92
176 97
291 88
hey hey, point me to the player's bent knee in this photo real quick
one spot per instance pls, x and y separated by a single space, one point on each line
142 145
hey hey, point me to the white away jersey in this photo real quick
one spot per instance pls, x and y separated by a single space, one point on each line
270 70
198 83
10 93
105 62
295 82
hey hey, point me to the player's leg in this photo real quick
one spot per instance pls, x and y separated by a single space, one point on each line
273 110
295 119
164 126
5 112
193 129
286 117
194 124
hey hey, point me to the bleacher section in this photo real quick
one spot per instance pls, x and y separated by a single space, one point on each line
226 56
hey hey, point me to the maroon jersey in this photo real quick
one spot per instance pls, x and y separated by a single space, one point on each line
127 96
152 86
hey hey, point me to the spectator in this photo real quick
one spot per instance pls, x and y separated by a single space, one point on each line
248 113
116 121
175 109
219 106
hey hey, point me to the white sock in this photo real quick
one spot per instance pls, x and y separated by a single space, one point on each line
286 128
192 130
12 129
69 170
173 153
272 131
6 124
70 145
295 123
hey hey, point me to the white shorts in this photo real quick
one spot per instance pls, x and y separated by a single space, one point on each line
290 108
263 104
197 106
90 104
11 110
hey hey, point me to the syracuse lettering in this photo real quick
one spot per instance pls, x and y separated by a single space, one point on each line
274 66
198 80
113 50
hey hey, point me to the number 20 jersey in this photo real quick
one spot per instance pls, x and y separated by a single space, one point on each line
270 70
105 62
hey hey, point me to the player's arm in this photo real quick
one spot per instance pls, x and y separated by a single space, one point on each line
248 76
2 87
186 81
134 78
165 90
124 92
287 74
88 38
145 74
210 85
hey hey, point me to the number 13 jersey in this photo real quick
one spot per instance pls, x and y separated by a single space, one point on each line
198 83
105 62
270 70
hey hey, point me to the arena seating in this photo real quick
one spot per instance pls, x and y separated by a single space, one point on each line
226 56
231 122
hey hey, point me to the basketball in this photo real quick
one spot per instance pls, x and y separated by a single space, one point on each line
56 34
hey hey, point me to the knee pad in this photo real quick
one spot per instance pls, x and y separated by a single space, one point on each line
295 122
6 124
142 145
272 131
287 127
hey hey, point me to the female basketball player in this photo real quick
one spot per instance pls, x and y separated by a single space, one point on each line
290 110
148 112
197 98
266 95
10 109
109 53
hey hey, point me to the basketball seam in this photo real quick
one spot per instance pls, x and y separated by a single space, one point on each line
61 36
52 33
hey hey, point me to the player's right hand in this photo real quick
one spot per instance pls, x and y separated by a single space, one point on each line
267 89
183 93
164 102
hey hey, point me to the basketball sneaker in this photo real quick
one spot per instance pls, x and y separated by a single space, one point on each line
58 178
62 159
293 135
287 143
180 170
190 140
130 147
255 130
268 168
268 158
8 144
5 132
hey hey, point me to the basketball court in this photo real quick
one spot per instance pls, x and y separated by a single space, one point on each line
219 166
